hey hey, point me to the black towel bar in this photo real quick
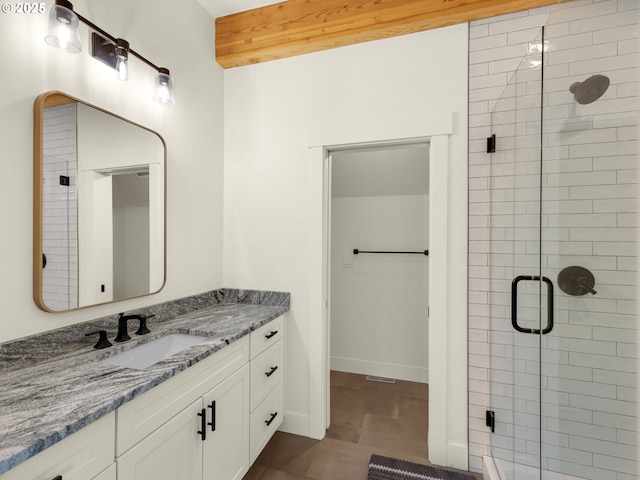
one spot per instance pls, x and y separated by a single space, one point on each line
356 252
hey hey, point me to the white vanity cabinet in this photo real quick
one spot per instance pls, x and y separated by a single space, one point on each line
209 422
194 426
84 455
267 392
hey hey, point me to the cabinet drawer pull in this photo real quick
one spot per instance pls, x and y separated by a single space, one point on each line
269 335
203 424
273 417
272 371
59 477
212 423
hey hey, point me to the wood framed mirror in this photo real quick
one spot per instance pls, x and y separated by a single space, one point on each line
99 191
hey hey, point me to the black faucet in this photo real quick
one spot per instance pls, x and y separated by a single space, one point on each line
123 335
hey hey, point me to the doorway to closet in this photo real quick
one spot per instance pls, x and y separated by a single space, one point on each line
378 302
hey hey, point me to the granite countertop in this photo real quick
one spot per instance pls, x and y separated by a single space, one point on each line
50 393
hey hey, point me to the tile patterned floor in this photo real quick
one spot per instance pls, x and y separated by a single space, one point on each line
366 418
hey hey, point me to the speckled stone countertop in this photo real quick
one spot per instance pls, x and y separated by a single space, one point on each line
52 384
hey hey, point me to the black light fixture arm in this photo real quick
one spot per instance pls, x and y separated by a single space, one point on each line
152 65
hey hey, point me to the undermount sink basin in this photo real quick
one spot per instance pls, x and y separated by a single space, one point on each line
153 352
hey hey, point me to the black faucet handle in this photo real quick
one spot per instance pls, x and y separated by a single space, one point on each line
142 329
103 342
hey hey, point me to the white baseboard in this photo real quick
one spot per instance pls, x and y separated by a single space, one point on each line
458 456
379 369
296 424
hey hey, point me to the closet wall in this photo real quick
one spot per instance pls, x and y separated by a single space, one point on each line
379 301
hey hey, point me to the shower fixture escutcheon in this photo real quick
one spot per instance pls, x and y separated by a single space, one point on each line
576 281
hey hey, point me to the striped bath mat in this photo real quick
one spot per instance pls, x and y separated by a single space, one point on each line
385 468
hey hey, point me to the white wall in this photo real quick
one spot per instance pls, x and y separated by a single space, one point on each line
192 129
379 323
270 109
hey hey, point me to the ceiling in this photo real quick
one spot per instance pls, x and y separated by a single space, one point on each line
220 8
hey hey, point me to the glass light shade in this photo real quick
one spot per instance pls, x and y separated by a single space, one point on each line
122 56
122 68
164 89
63 29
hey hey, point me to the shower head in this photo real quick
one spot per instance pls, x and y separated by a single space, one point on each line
590 90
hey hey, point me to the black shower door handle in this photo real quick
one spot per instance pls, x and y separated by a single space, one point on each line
514 304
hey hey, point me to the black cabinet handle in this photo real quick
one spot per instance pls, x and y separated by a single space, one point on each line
269 335
212 423
514 304
270 421
59 477
271 372
203 424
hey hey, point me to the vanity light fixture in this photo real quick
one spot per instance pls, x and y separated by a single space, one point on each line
114 52
63 28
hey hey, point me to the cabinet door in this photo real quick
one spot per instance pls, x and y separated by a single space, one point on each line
173 452
226 450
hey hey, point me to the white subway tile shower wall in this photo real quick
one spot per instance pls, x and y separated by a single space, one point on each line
589 219
59 232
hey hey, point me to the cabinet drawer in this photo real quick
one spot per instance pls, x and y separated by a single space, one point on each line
265 420
141 416
266 372
80 456
266 335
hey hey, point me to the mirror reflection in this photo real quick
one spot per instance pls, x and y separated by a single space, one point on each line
99 198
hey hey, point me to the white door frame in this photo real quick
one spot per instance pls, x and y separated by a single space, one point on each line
447 446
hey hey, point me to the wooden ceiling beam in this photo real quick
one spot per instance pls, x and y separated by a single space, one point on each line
296 27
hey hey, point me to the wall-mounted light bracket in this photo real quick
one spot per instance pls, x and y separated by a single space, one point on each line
103 49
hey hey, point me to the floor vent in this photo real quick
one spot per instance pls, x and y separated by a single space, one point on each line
372 378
